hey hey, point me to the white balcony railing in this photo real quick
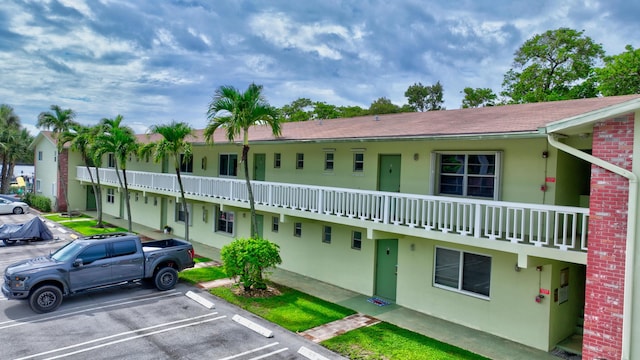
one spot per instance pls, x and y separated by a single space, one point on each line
560 227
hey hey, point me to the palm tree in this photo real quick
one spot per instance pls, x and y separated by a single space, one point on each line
121 142
58 121
81 139
236 112
173 145
9 126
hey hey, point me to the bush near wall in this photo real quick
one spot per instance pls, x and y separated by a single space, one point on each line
39 202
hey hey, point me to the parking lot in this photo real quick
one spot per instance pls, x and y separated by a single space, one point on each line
137 322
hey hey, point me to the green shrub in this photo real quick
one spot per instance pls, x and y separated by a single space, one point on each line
248 258
39 202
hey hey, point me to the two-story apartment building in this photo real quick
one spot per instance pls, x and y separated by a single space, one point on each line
516 220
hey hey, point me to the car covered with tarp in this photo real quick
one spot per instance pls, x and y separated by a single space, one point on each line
34 229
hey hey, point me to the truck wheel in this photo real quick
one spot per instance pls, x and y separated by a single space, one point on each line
166 278
46 298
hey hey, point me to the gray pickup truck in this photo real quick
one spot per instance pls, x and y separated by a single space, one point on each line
96 262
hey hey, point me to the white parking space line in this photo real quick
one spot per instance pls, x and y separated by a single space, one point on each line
269 354
250 351
131 338
117 335
39 318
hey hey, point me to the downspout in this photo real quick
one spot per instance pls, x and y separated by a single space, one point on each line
631 234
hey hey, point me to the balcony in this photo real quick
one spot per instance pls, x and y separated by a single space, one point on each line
557 232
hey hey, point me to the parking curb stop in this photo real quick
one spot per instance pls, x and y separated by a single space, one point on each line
310 354
253 326
200 300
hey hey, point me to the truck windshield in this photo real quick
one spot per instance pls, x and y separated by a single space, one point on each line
67 252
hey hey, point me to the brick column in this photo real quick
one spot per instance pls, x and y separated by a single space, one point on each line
604 293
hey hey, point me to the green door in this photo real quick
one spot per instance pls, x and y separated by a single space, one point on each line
91 198
387 268
389 173
259 166
260 224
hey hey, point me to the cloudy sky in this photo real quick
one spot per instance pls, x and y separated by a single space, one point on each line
155 61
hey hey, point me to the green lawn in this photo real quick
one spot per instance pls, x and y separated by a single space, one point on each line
293 310
84 225
65 219
199 275
387 341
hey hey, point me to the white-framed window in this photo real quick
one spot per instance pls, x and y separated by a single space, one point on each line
38 186
225 221
356 240
358 162
40 155
186 163
111 196
228 165
297 229
111 160
326 234
469 174
180 215
461 271
299 161
275 224
328 160
277 160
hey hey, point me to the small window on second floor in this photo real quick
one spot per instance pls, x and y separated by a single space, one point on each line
277 157
39 155
328 161
299 161
358 162
111 160
186 163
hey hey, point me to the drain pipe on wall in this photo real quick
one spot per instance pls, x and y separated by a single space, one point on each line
631 233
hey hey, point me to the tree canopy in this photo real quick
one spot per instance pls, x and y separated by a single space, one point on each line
620 74
425 98
478 97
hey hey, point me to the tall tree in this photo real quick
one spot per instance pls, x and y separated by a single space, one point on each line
556 65
120 141
620 74
173 145
58 120
82 140
299 110
9 126
478 97
425 98
322 110
236 112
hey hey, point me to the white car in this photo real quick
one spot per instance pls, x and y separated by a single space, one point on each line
12 207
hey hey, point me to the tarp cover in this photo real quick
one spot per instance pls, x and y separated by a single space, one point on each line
33 229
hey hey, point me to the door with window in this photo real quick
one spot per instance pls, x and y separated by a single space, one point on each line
389 173
94 269
259 161
387 268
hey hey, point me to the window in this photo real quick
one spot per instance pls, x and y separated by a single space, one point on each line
328 161
326 234
126 247
111 160
356 240
468 174
297 229
180 215
275 224
228 165
225 221
186 163
93 253
462 271
40 155
277 158
358 162
111 196
299 161
137 196
38 185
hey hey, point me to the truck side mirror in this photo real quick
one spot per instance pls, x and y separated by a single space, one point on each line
77 263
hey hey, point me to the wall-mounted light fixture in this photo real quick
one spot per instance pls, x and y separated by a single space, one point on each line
416 156
545 154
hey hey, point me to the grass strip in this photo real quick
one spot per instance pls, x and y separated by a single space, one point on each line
292 309
65 219
199 259
199 275
387 341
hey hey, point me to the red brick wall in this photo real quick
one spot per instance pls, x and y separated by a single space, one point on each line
63 181
604 295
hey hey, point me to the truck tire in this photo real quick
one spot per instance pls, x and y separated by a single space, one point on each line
45 299
166 278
